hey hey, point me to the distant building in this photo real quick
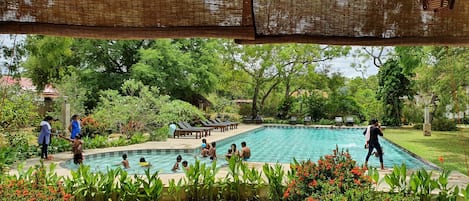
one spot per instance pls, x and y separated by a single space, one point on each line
242 101
46 97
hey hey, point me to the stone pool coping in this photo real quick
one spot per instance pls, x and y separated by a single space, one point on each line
190 143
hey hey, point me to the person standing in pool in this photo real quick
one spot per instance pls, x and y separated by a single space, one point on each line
77 149
176 165
125 162
245 151
373 143
213 151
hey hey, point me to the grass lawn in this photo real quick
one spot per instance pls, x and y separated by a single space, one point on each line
452 146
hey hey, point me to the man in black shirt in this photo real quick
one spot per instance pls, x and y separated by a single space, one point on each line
373 143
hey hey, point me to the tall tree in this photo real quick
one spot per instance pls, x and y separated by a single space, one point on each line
295 62
393 85
180 68
257 62
442 79
48 59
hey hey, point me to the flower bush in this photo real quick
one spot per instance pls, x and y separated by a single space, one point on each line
90 126
35 184
332 174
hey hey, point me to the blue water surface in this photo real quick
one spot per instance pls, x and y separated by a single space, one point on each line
272 145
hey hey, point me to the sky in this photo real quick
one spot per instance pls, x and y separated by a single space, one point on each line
342 64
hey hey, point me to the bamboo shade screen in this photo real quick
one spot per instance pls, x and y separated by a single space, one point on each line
252 21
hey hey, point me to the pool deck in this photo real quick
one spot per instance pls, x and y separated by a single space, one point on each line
189 142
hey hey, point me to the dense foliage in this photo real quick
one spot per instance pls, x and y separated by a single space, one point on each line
333 177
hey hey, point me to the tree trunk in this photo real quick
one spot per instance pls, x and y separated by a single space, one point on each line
435 107
254 110
261 106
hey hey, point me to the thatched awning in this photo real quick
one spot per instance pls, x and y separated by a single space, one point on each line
343 22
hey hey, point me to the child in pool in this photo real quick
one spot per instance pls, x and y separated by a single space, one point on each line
185 165
228 155
125 162
205 148
144 163
176 165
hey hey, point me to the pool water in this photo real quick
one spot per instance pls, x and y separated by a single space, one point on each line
274 144
268 144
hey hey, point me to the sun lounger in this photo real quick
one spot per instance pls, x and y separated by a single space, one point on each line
231 124
183 132
339 121
292 120
349 121
307 120
222 127
207 130
204 131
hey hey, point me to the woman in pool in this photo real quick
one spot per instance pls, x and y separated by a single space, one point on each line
234 151
144 163
176 165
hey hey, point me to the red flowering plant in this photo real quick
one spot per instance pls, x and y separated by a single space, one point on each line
332 174
90 126
36 184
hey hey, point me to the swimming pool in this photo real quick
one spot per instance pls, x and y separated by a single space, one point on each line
268 144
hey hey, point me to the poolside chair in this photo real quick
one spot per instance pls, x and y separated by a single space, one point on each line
207 130
349 121
230 123
307 120
339 121
222 127
184 131
292 120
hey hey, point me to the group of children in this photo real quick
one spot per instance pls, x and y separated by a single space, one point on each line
125 162
209 150
144 163
176 165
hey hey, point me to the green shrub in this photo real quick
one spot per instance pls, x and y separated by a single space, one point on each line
245 109
177 111
7 157
418 126
121 141
138 138
159 134
97 142
326 122
442 124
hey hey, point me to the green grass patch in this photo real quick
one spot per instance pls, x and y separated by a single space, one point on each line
453 146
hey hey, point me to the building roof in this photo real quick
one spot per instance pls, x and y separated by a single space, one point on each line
341 22
27 84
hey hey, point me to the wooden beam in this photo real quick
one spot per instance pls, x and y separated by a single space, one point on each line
362 41
231 32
